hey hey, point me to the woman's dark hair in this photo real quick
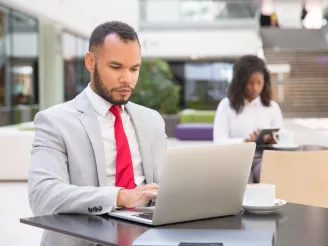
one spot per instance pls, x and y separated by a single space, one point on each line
243 68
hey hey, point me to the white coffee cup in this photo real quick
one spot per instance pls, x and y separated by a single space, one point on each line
260 195
283 137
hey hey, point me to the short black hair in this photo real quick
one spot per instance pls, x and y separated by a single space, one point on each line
243 68
121 29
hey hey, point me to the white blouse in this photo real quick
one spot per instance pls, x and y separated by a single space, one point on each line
230 127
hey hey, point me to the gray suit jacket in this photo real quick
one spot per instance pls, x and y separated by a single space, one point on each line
67 172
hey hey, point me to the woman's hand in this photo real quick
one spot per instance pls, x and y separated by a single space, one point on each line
268 139
252 137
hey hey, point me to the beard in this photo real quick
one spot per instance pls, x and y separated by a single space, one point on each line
108 94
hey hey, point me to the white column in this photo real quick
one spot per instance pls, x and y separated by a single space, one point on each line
51 72
289 13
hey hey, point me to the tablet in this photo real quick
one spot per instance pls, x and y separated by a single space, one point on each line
259 139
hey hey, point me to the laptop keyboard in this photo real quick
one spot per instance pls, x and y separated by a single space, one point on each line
147 216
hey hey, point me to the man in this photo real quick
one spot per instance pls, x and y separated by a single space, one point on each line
98 151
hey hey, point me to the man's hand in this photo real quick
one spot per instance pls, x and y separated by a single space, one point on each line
252 136
138 196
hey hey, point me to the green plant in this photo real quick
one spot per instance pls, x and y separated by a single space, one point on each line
155 88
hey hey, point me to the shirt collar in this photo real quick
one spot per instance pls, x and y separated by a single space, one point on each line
100 105
256 102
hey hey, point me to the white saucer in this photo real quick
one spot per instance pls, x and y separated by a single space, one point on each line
285 146
265 209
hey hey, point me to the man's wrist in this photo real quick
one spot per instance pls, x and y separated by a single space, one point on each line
121 196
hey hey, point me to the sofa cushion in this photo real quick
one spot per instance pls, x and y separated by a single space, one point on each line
197 116
194 131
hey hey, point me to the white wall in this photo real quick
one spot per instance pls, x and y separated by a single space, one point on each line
185 44
163 11
80 15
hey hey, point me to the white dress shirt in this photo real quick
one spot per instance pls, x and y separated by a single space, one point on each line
106 121
230 127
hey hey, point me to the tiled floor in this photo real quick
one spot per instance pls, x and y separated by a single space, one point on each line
14 203
13 206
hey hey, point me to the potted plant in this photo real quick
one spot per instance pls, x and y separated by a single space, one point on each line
157 90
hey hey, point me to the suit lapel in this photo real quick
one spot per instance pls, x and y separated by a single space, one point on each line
142 136
89 121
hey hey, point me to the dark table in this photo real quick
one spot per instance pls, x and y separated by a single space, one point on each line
310 147
292 225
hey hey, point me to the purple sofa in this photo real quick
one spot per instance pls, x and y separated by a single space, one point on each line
194 131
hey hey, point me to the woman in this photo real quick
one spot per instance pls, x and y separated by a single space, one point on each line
248 108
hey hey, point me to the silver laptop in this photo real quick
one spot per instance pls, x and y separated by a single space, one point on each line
198 182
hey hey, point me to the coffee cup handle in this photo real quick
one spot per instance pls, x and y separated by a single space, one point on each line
275 136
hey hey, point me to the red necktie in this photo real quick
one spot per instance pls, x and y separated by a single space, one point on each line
124 166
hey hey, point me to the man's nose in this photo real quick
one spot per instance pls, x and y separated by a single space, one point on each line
126 78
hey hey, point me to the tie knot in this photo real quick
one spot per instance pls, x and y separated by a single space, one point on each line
116 110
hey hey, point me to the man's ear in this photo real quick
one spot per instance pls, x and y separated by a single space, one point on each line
90 61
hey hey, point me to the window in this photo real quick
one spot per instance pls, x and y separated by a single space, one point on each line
76 76
3 58
206 83
18 67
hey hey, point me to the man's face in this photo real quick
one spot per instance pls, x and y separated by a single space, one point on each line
114 68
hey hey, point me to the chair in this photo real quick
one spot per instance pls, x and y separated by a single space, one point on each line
15 153
300 177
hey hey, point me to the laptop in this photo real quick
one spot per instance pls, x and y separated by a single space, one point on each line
198 182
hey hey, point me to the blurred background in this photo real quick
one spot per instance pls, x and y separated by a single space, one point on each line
188 47
42 47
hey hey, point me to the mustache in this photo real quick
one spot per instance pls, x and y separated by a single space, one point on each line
122 88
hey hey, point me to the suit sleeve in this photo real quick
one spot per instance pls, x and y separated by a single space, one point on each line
49 188
161 148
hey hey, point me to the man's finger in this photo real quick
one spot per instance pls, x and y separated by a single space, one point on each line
150 194
149 187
